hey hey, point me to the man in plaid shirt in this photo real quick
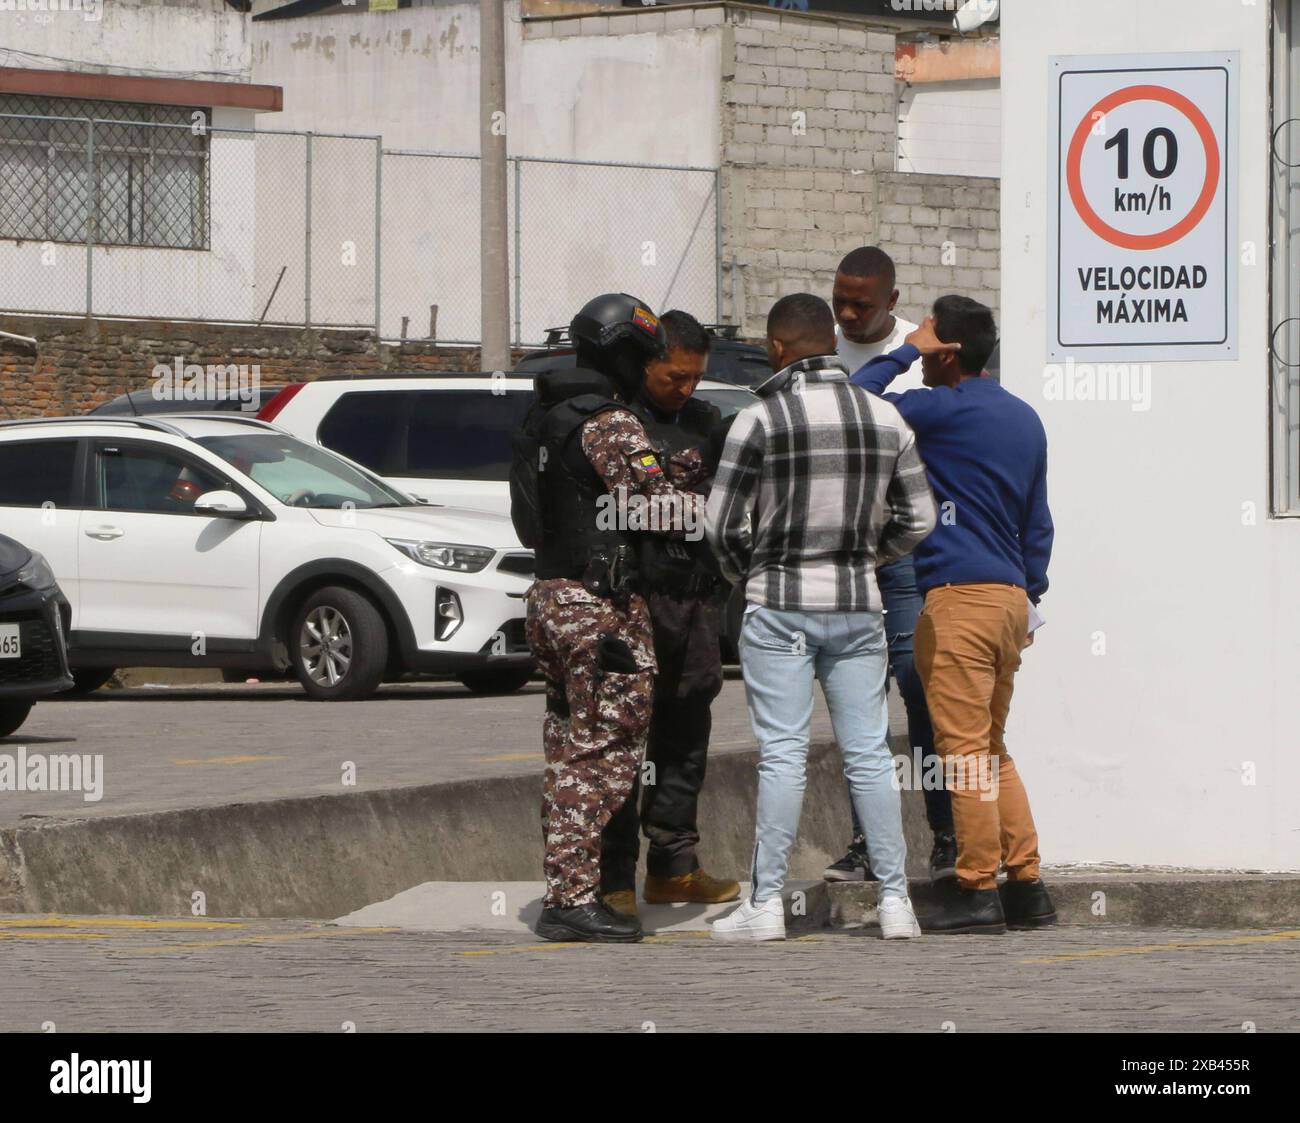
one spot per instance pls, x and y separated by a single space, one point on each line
819 483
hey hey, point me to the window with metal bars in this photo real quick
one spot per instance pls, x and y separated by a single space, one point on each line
144 181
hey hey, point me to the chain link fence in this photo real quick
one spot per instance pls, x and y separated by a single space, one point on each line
153 213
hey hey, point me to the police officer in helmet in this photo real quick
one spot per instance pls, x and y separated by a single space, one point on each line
584 513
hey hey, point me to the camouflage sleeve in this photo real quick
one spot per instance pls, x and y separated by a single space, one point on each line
619 449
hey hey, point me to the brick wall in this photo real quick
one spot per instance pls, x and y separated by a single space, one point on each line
79 365
809 127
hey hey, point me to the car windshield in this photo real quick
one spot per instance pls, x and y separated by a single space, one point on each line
303 475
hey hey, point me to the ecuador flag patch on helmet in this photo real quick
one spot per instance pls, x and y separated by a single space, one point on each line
645 319
650 465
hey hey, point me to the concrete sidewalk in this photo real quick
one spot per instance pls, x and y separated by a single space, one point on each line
512 907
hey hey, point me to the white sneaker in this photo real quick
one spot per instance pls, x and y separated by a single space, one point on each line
897 920
750 923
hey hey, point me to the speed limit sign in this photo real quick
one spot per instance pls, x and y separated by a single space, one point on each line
1142 222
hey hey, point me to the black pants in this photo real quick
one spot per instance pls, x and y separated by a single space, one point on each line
665 805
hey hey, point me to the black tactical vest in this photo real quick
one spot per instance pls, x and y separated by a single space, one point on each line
577 526
671 564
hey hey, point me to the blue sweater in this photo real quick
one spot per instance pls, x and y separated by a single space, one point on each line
985 452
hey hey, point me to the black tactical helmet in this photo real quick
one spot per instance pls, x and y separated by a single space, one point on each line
616 334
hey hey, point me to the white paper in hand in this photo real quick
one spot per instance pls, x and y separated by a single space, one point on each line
1036 621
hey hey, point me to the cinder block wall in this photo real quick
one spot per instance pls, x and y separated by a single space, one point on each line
943 234
809 126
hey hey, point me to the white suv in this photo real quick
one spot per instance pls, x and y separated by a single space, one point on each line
220 541
444 438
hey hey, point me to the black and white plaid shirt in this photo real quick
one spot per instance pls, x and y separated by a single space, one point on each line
819 483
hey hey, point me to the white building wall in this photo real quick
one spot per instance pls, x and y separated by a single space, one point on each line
202 40
951 128
413 77
1138 755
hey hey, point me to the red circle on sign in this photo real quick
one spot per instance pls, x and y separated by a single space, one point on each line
1202 205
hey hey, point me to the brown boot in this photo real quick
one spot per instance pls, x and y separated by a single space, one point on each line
622 901
696 886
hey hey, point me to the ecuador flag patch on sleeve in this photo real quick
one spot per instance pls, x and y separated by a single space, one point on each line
650 465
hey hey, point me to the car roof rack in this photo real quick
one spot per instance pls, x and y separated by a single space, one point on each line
227 415
722 331
98 419
557 336
376 376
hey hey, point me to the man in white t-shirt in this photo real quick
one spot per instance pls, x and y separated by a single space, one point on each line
863 300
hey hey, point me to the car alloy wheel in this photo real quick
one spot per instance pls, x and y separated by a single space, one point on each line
326 645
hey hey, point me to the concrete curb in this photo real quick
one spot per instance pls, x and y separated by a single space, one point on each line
325 856
1137 898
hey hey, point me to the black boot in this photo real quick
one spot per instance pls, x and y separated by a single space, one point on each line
1027 904
592 924
943 858
964 910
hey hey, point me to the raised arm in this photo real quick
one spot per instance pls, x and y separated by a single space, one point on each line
618 447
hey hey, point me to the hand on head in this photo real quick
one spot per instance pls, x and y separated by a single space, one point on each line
925 341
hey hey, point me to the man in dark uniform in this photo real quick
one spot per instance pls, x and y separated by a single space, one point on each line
598 476
684 590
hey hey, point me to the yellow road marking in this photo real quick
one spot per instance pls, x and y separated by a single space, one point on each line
244 759
660 938
1184 945
56 935
556 945
269 938
515 756
115 922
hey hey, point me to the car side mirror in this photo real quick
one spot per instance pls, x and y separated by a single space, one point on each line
225 504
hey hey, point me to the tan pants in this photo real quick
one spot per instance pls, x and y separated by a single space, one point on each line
968 641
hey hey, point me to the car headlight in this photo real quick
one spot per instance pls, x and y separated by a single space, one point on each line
445 555
37 574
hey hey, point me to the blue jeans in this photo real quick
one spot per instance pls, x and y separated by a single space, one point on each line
903 605
781 653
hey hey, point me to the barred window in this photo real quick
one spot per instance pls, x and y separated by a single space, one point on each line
150 183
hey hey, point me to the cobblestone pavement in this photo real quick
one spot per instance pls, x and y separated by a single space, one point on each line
103 975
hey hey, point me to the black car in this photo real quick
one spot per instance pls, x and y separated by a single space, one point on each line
138 403
731 360
34 619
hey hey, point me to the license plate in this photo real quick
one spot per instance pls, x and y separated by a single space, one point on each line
11 645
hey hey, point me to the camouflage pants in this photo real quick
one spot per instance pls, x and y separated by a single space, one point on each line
598 662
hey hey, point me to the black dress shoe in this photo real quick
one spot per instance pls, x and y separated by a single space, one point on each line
1027 904
964 910
592 924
